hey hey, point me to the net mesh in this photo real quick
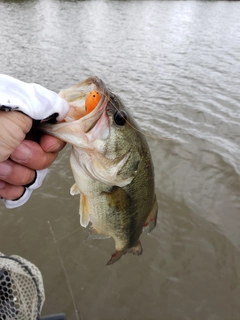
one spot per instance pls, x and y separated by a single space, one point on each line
21 289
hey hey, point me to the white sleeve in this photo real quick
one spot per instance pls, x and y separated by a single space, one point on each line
38 103
32 99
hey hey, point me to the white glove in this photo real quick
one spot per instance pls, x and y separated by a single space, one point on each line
38 103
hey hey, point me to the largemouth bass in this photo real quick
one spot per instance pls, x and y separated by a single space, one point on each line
111 165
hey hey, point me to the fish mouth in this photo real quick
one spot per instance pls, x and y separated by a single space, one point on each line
79 127
76 98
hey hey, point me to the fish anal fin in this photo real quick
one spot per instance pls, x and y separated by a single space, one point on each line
95 234
151 221
74 190
84 210
137 250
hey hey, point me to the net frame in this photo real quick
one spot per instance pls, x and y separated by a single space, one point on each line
21 289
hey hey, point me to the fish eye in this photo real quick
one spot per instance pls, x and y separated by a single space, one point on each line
120 118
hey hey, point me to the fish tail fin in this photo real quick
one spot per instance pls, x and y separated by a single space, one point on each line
116 256
151 221
136 250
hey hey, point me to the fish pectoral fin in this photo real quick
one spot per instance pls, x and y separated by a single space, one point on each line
95 234
151 221
74 190
118 199
84 211
136 250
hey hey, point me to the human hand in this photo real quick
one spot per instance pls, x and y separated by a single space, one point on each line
24 155
20 157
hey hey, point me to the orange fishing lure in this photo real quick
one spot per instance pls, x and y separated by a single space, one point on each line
92 101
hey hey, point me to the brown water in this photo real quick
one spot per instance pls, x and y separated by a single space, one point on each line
176 65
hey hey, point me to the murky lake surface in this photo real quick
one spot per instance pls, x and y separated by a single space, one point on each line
176 65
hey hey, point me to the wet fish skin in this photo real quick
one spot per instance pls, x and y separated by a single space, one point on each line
114 175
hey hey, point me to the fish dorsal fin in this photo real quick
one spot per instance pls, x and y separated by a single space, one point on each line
151 221
84 210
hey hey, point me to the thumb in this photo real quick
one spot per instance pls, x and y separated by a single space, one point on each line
14 126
